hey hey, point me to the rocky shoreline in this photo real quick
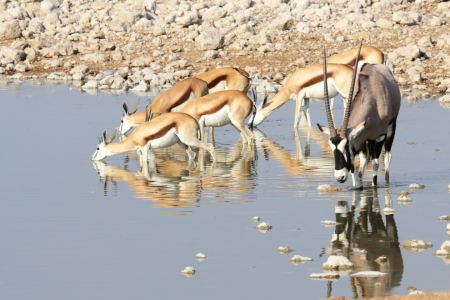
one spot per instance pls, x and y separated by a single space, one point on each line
147 43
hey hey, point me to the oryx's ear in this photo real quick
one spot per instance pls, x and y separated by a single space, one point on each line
125 107
325 130
112 136
104 136
358 129
135 108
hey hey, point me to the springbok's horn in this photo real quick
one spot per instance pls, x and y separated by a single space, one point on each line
135 108
104 135
112 136
146 114
350 96
125 107
325 93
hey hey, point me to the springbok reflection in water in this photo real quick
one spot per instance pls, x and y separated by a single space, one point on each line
169 181
363 239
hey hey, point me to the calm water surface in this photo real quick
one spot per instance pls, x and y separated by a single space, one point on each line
74 229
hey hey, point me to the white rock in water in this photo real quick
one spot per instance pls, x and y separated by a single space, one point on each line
369 274
328 188
255 219
329 223
264 226
416 243
441 252
448 188
448 227
416 292
404 199
415 186
200 256
284 250
445 246
298 258
388 210
141 87
188 271
444 218
325 276
337 262
91 84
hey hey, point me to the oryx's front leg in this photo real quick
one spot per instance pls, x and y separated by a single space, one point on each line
362 160
355 177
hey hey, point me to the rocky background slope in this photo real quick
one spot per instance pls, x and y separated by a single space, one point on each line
154 42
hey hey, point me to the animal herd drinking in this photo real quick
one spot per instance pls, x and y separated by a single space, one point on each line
218 97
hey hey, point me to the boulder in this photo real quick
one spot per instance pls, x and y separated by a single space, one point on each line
47 7
5 16
189 18
80 69
129 16
410 51
64 49
35 26
18 13
210 39
16 55
214 13
260 39
384 23
283 23
95 57
10 30
273 3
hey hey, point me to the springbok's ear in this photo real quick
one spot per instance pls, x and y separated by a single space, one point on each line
325 130
151 116
358 129
135 108
125 107
112 136
104 136
263 102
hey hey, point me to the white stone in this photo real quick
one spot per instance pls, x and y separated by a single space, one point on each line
80 69
210 39
189 18
441 252
298 258
17 55
91 84
214 13
141 87
329 223
47 7
444 218
188 271
10 30
129 16
78 76
264 225
415 186
200 256
416 243
337 262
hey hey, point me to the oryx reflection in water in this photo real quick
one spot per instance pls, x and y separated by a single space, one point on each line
363 236
170 181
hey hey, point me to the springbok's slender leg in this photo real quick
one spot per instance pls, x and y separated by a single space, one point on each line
213 142
144 161
245 132
195 142
191 154
205 134
388 146
331 103
308 116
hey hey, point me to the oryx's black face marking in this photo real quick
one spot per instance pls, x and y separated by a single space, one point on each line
342 158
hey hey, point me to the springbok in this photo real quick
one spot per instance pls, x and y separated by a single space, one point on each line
369 122
172 100
226 79
304 84
369 54
160 132
222 108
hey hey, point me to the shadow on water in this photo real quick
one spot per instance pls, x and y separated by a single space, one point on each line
369 242
171 182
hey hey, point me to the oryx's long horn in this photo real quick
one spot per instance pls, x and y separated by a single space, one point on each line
350 96
112 136
135 108
325 93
